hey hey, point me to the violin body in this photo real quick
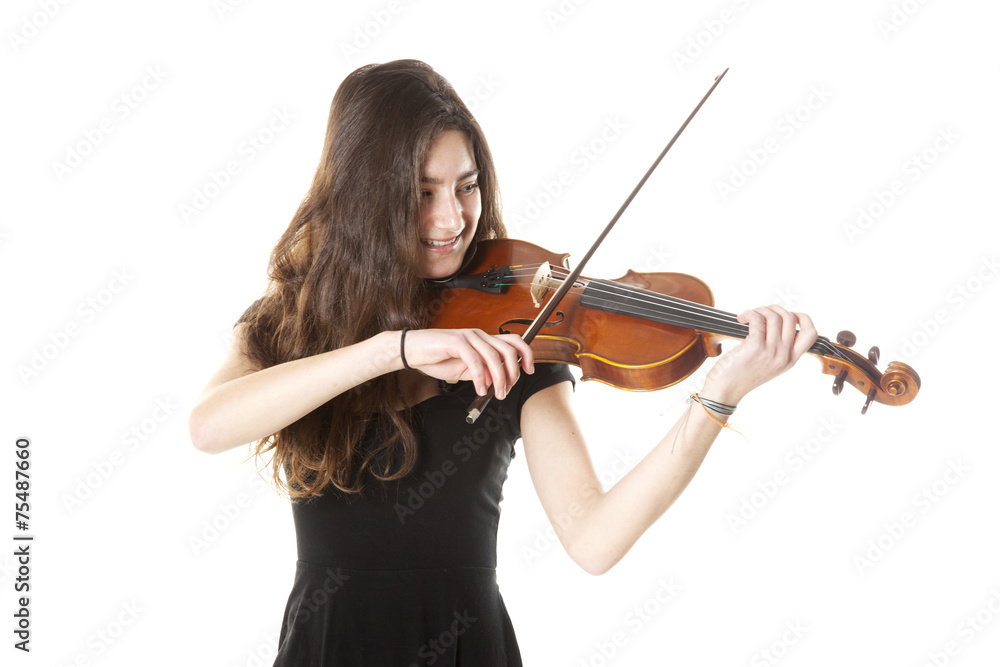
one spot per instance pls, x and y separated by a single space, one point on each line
620 350
640 332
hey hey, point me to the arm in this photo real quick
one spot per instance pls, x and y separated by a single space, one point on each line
240 404
597 528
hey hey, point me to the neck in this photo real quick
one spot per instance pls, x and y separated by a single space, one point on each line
627 300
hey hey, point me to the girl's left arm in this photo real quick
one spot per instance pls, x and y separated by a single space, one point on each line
597 527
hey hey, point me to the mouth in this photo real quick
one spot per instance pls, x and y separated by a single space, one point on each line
442 245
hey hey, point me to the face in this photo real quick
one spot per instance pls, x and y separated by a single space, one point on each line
449 204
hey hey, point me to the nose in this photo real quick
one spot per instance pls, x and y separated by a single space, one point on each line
445 214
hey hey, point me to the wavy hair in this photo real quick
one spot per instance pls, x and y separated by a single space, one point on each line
347 268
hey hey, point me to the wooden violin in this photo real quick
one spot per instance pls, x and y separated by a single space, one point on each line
640 332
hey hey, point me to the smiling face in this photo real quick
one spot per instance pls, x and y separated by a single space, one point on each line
449 204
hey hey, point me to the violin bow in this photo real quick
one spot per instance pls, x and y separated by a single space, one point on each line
480 403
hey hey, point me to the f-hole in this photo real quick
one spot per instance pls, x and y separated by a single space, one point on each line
519 320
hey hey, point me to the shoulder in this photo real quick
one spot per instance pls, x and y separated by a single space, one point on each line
235 365
546 375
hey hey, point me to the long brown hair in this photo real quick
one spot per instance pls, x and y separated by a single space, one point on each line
347 268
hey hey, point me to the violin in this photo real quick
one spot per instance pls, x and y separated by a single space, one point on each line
640 332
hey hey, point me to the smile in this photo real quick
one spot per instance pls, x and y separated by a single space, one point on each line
444 244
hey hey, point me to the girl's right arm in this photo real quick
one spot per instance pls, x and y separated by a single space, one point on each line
241 405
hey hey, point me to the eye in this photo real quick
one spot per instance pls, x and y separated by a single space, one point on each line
470 188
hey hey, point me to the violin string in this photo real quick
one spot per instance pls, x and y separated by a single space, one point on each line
696 312
691 313
656 303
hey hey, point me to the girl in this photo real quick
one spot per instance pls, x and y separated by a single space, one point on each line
333 371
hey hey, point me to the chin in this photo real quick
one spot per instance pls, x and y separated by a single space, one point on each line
440 270
437 266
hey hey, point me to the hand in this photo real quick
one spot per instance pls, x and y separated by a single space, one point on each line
772 346
469 354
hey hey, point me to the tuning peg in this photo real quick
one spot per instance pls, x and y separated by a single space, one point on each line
838 382
846 338
873 354
868 401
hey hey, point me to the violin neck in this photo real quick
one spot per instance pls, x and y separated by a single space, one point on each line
628 300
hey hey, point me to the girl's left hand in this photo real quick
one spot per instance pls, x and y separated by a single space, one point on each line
773 344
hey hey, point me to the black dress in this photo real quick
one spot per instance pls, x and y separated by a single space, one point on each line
405 574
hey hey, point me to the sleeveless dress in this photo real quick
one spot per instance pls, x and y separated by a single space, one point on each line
404 574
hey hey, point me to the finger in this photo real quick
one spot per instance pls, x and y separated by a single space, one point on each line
506 347
520 356
523 350
755 325
787 325
497 376
772 330
505 370
807 334
474 366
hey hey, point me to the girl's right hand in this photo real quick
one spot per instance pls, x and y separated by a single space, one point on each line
457 355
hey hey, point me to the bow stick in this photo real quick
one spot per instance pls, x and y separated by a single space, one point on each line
479 404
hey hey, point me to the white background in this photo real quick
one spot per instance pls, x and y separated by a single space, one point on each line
869 85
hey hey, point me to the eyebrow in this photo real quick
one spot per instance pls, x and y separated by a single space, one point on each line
461 177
